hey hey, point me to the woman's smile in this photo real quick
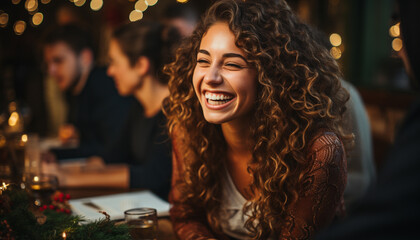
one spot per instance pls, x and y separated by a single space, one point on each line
224 82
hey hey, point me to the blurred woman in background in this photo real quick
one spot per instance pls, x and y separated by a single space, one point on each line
138 52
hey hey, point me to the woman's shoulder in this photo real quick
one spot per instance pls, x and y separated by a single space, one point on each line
326 146
323 139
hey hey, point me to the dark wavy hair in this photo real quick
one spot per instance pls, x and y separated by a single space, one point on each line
299 93
153 40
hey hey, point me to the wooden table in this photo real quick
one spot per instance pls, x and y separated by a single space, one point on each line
165 229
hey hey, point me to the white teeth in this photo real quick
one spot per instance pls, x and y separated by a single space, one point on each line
217 97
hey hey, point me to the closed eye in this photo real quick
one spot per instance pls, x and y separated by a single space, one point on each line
203 62
234 66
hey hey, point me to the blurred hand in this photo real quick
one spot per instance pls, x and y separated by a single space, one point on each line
68 134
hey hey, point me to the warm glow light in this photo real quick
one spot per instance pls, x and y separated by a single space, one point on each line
37 18
15 2
79 3
45 1
335 52
135 15
394 31
182 1
24 138
4 19
3 187
19 27
140 5
64 235
14 117
151 2
397 44
36 179
335 39
95 5
31 5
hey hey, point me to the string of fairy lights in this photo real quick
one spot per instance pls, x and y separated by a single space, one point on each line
34 7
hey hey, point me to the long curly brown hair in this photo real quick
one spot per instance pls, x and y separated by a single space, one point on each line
298 94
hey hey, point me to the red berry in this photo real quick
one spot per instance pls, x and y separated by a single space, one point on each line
44 207
67 211
68 196
51 207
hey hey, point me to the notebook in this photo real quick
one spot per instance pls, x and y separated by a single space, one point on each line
116 204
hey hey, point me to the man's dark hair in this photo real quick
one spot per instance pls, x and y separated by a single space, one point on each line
76 38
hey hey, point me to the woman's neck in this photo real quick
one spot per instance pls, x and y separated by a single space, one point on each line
151 94
237 136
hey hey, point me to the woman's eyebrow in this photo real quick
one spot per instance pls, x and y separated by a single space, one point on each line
229 55
226 55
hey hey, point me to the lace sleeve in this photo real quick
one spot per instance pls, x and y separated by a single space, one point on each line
192 226
321 197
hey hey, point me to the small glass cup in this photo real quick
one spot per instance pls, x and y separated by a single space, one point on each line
43 187
142 222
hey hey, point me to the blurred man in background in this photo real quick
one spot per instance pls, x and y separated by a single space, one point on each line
95 110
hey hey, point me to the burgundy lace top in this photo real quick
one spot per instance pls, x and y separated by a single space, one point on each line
318 203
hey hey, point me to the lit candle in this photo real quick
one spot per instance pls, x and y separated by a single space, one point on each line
64 235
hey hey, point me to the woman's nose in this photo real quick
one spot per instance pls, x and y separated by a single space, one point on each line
213 75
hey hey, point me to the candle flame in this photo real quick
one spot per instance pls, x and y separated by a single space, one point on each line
64 235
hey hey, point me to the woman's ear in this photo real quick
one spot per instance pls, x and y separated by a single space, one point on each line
142 66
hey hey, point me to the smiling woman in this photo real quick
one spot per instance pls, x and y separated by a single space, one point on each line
223 80
254 112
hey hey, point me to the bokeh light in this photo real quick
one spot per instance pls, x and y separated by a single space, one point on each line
96 5
335 52
19 27
151 2
394 31
79 3
31 5
397 44
335 39
141 5
135 15
24 138
45 1
37 18
13 119
4 19
182 1
15 2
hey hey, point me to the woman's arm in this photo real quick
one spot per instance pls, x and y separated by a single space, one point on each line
187 228
321 197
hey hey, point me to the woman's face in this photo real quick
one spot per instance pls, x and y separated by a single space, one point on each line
224 82
125 76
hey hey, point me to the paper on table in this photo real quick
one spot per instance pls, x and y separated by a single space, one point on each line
116 204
